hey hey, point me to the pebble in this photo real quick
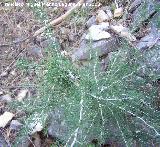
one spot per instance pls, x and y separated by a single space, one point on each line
5 98
96 32
102 16
91 21
38 127
5 118
123 32
118 12
3 142
1 92
22 94
104 47
15 125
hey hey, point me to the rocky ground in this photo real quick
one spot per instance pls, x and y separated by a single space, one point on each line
136 21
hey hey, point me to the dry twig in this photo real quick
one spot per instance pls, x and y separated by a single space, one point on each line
52 23
41 30
59 19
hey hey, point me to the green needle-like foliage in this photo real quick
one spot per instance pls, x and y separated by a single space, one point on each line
97 105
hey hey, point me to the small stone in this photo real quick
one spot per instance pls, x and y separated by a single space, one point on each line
36 51
84 52
1 92
22 94
37 128
102 26
15 125
102 16
118 12
4 74
3 142
135 5
58 127
152 39
109 13
147 42
5 118
65 53
6 98
146 9
91 21
117 28
96 33
123 32
13 73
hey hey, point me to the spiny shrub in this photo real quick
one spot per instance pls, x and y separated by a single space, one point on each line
97 105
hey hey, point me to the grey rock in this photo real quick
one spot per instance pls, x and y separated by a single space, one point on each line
150 47
1 93
134 5
49 41
4 74
5 98
96 32
148 41
36 51
157 1
15 125
89 2
150 66
61 129
104 26
24 143
142 13
58 127
154 23
3 142
87 50
91 21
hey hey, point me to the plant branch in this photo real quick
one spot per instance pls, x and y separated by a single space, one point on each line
52 23
77 129
59 19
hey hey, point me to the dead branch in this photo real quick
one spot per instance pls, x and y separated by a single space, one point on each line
52 23
59 19
41 30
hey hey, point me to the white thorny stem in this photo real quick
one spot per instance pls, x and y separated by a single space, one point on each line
75 134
